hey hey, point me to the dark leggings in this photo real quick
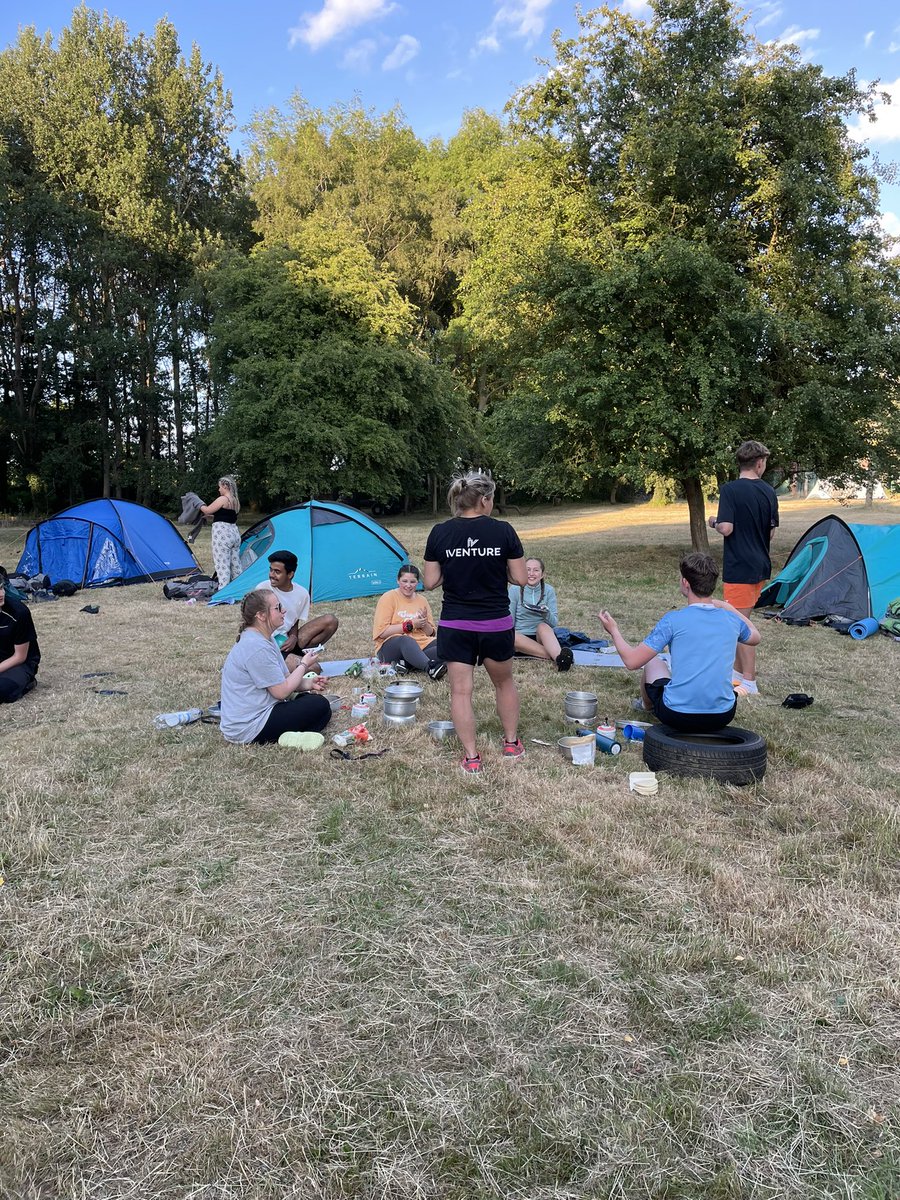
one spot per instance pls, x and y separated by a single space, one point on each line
407 648
307 713
15 682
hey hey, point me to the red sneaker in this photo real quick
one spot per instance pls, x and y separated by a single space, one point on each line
513 749
471 765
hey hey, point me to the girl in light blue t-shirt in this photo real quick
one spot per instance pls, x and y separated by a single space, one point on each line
534 612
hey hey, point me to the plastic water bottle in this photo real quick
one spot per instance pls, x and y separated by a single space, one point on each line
174 719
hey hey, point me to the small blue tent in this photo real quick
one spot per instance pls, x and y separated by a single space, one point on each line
342 553
106 541
837 569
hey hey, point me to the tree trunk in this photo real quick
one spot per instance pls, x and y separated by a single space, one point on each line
693 491
178 413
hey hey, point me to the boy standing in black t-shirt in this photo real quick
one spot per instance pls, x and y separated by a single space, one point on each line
748 512
19 650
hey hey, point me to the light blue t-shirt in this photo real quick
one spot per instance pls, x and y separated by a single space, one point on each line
701 640
254 664
527 622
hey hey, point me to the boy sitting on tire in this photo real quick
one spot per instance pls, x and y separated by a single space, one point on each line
696 696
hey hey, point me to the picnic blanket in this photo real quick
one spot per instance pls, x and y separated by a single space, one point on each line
602 658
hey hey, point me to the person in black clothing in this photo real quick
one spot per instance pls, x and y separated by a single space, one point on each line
19 650
474 558
748 512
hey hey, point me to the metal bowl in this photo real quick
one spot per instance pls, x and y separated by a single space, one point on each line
403 691
565 746
334 701
440 730
402 699
387 719
582 705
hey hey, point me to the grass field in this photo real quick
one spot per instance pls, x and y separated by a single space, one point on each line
241 974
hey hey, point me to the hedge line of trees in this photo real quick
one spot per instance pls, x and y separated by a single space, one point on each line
668 243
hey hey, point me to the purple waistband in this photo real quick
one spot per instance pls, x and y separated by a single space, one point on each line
494 625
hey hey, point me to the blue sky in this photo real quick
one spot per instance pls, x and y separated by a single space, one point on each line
436 59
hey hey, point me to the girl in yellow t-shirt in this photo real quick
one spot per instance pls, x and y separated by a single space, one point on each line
404 629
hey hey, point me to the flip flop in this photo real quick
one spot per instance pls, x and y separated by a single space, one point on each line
302 740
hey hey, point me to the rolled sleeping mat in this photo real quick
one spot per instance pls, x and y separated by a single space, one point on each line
863 629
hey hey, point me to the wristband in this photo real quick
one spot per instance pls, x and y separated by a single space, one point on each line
408 627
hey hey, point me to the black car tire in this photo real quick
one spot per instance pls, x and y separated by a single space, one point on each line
730 755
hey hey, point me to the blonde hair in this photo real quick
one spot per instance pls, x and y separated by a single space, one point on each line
252 605
467 488
230 482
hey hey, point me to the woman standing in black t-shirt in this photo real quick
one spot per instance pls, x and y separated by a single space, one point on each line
474 558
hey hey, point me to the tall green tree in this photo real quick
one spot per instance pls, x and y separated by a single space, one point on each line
715 270
371 176
121 145
327 393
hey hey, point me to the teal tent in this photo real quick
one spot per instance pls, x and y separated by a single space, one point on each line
837 569
342 553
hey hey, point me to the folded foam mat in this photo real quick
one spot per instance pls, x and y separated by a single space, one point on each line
863 629
601 658
340 666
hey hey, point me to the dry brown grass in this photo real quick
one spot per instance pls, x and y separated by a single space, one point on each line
232 974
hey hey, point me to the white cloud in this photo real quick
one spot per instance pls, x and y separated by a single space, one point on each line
890 223
358 57
336 17
515 18
636 8
893 47
886 126
867 40
405 51
489 42
765 14
795 36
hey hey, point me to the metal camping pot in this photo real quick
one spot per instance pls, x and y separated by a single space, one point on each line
581 706
402 699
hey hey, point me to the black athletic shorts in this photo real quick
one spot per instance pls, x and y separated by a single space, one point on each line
686 722
468 646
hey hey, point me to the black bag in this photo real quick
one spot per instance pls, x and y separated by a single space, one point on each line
65 587
198 587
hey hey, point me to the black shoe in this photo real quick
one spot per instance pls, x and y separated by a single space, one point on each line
564 659
401 666
436 669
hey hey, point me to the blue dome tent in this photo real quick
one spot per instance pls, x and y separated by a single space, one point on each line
836 569
342 553
106 541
